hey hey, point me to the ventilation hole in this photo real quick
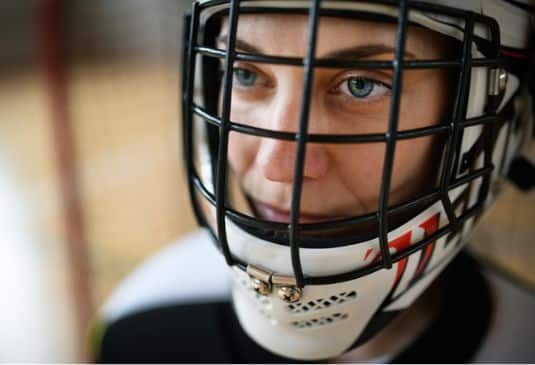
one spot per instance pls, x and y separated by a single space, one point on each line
321 321
321 303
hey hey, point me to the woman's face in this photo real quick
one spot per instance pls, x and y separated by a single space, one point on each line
340 180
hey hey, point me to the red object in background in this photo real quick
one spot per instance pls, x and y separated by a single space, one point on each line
52 60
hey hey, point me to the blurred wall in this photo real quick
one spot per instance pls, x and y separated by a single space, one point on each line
122 74
17 37
123 90
124 30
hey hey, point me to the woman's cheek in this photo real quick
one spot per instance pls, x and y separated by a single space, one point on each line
422 100
242 150
359 166
413 167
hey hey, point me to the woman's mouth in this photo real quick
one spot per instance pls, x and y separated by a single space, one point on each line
270 213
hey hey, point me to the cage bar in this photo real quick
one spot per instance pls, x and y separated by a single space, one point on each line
391 135
221 172
302 140
188 66
459 110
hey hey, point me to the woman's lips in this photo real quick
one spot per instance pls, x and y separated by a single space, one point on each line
270 213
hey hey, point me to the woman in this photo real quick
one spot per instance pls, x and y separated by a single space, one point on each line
339 153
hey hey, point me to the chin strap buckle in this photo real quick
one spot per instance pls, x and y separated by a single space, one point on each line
263 282
497 81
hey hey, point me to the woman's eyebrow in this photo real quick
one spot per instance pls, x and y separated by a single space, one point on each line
364 51
249 48
352 53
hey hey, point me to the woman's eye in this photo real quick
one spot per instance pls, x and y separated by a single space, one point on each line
362 88
245 77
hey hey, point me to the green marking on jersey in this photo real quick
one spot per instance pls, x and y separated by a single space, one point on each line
95 335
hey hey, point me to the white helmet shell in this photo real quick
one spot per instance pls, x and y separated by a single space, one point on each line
329 318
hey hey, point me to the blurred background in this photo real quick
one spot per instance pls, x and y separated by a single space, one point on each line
91 180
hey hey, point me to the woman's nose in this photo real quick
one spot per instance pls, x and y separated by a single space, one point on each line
277 157
277 160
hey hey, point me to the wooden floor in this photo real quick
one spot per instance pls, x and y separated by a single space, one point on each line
126 132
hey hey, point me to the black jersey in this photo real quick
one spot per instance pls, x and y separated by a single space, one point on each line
483 318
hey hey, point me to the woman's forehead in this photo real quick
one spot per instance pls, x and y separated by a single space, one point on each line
287 35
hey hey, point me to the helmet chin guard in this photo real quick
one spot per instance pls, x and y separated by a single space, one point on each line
328 319
313 297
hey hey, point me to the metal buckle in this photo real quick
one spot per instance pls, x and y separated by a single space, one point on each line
263 281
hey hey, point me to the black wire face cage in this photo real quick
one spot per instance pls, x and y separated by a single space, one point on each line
202 70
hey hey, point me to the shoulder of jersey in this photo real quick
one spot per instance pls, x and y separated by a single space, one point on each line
188 270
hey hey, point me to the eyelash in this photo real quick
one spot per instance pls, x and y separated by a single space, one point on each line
344 84
343 81
259 77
